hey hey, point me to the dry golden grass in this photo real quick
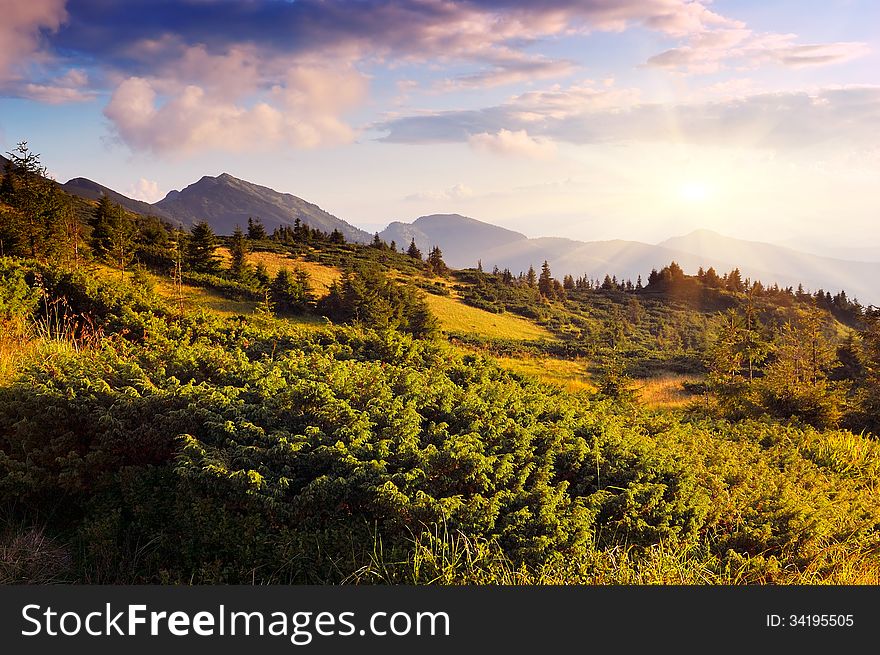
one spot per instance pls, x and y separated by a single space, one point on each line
455 316
571 375
321 276
666 391
14 347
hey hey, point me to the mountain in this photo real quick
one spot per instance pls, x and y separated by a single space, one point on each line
472 237
226 201
85 188
465 240
782 265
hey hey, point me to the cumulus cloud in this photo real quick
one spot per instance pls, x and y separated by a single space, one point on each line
20 32
302 111
509 143
457 192
238 74
146 190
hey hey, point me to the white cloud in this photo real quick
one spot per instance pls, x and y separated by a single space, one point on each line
456 192
146 190
71 87
712 50
20 27
302 112
513 143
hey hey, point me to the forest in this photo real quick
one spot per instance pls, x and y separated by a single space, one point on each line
182 407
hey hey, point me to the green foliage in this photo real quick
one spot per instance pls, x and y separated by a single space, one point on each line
238 250
194 449
19 293
368 297
201 247
291 292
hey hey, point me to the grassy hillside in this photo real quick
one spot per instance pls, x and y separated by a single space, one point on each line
372 416
189 448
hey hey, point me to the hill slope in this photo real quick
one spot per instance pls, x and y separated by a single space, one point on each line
226 201
90 190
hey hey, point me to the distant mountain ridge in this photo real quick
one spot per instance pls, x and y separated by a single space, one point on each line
226 201
464 241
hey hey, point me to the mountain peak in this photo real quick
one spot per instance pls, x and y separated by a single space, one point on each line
226 201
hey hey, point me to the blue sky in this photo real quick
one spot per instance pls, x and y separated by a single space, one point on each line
590 119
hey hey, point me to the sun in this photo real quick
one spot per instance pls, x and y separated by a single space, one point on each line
695 192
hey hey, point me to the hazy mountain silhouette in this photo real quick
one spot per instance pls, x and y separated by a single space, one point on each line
465 240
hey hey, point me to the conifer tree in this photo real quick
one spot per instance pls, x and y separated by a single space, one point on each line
531 278
436 263
291 293
201 249
545 282
413 250
238 250
256 231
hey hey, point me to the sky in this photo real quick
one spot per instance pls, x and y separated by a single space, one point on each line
587 119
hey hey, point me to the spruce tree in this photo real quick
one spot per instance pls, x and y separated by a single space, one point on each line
413 250
201 249
256 231
238 250
436 263
545 282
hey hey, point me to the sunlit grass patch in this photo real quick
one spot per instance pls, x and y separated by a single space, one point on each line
455 316
666 391
571 375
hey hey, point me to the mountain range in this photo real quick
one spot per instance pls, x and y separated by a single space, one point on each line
226 201
464 241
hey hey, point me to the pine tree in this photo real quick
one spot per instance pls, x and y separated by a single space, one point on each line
42 209
436 263
256 231
336 236
545 282
238 250
261 274
291 293
120 243
413 250
531 278
201 249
